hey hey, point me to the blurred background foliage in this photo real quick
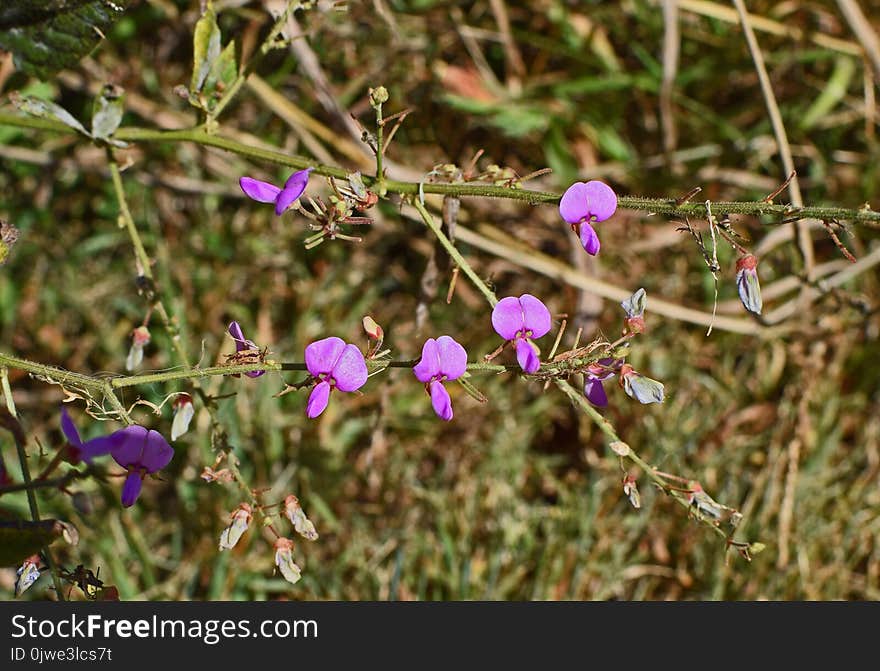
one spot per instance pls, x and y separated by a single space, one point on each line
516 498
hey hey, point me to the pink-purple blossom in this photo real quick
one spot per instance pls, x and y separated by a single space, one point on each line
442 359
584 203
335 365
242 345
283 198
520 320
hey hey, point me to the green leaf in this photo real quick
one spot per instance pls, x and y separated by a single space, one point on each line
223 72
21 539
107 113
48 35
45 109
206 48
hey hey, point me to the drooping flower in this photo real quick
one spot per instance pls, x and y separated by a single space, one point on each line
335 365
297 516
520 320
183 414
244 345
84 451
141 452
283 198
442 359
597 373
241 518
140 338
284 561
584 203
747 283
27 574
640 387
634 306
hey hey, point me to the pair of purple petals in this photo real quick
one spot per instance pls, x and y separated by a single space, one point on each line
139 450
264 192
335 365
442 359
520 320
586 202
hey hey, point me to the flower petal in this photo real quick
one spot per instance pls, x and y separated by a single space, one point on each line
453 358
589 239
318 399
130 444
595 392
536 316
350 370
441 401
69 429
429 365
507 317
293 189
322 355
182 417
98 447
527 355
601 200
260 191
238 336
132 488
573 204
157 452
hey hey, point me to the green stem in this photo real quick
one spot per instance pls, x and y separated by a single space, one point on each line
381 189
454 253
665 206
18 437
605 426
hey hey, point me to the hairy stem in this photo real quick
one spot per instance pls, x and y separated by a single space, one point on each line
781 213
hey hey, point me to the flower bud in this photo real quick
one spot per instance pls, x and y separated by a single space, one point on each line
378 96
630 488
27 574
284 561
298 519
747 283
634 306
140 338
241 518
183 414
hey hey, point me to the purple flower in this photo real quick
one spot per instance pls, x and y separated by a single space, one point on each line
335 365
84 451
747 283
520 320
269 193
597 373
242 345
442 359
135 448
141 452
585 202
